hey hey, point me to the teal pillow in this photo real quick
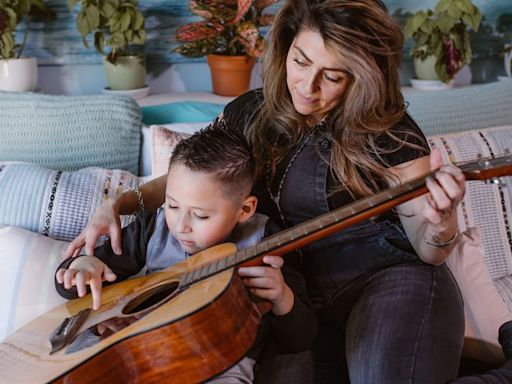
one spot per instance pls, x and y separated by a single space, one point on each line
70 132
182 112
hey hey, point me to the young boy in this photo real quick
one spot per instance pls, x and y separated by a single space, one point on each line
208 201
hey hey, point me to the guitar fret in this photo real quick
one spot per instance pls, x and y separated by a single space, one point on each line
195 274
185 280
238 258
230 261
243 254
212 268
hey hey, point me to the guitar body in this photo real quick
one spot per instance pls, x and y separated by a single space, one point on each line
197 334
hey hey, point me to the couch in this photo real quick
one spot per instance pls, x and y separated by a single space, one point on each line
61 156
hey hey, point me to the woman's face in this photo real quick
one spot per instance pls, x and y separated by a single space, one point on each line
315 78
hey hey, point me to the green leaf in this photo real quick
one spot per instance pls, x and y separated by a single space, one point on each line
445 23
108 9
82 23
139 37
464 6
7 46
129 35
477 18
442 6
427 27
454 12
93 16
11 18
422 40
114 24
99 41
125 21
117 40
137 21
414 23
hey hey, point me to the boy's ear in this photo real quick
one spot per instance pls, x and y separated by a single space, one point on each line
248 208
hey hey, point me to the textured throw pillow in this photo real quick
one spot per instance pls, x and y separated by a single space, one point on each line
484 308
163 141
70 132
462 109
28 263
180 112
485 206
55 203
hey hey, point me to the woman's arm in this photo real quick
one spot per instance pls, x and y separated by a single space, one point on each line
430 221
105 220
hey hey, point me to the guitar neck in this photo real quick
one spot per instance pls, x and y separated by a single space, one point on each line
315 229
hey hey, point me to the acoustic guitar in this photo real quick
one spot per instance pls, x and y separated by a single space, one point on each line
186 323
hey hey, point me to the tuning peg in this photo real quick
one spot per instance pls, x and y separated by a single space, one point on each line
496 181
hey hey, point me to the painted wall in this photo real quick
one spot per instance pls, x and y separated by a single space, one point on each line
67 67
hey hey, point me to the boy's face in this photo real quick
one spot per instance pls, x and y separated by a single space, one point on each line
197 212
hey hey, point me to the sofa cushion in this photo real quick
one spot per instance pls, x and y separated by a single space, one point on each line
462 109
56 203
29 262
70 132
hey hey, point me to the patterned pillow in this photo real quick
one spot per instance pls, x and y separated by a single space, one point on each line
485 206
164 139
55 203
28 261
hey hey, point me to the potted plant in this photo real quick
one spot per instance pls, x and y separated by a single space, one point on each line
229 37
117 24
18 73
442 45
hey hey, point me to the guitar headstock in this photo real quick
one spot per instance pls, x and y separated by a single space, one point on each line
488 167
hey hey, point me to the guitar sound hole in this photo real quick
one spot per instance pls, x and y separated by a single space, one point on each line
153 297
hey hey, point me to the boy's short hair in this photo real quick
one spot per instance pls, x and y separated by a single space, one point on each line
221 152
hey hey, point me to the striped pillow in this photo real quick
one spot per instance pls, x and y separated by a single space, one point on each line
55 203
485 206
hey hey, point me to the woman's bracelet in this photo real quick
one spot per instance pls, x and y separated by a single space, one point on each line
445 243
140 201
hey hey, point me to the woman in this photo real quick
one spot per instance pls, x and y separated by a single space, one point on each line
328 128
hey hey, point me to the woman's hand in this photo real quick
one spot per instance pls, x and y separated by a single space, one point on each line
105 221
267 282
86 270
446 190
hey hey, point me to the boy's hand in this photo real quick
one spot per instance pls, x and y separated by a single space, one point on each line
267 282
86 270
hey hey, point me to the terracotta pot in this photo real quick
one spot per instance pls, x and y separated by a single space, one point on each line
231 75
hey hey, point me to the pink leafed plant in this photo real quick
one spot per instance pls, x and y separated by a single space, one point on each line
231 27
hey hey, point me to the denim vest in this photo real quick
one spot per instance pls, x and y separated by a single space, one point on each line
338 259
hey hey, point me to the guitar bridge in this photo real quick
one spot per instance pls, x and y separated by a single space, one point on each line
66 331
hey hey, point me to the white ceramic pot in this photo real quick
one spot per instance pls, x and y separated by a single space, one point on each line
18 75
129 72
